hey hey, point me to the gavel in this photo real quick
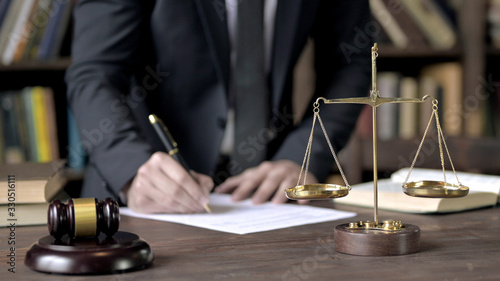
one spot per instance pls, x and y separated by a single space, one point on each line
83 217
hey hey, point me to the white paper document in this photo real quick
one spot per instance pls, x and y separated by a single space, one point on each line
245 217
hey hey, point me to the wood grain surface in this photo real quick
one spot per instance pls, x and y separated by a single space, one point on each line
458 246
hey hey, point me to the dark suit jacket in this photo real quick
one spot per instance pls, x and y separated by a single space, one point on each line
131 57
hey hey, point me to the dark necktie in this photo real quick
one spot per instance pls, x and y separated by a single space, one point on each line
250 91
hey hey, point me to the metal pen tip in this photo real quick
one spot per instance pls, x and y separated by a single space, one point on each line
207 208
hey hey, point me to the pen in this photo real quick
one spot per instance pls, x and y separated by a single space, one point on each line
170 144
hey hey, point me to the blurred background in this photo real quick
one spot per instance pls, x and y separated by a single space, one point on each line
449 49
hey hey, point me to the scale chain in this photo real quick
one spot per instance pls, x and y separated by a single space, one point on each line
305 163
447 152
333 152
307 156
441 141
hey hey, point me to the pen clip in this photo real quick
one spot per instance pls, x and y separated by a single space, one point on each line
154 119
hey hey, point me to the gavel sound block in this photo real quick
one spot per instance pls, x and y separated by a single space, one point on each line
84 239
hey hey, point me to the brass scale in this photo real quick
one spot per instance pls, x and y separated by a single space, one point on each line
425 188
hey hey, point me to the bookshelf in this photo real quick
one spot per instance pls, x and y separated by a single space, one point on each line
46 74
35 38
472 150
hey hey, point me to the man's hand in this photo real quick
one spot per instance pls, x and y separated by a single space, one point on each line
162 185
267 181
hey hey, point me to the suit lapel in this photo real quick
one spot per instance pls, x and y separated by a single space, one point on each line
214 20
287 14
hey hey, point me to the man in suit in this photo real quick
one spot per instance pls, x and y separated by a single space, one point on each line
175 59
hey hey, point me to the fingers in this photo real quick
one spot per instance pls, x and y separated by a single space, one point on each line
145 196
245 188
163 185
267 181
280 197
230 184
182 179
204 181
275 182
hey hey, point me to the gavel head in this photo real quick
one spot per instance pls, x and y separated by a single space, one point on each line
83 217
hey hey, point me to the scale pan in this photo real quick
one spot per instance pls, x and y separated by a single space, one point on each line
316 191
435 189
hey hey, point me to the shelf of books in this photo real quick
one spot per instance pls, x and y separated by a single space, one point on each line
33 30
34 53
35 36
448 49
29 131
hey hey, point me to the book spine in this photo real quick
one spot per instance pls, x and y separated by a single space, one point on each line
391 27
433 23
40 20
409 111
50 110
51 30
449 77
62 28
4 7
26 95
387 120
26 33
40 114
17 33
12 143
8 24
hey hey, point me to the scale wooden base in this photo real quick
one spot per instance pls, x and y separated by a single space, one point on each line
124 251
376 242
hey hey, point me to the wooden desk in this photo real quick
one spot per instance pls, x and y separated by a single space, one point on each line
461 246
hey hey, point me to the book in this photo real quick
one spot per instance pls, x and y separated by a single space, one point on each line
387 114
408 113
416 38
26 33
484 191
53 34
433 22
449 76
50 111
4 7
17 32
43 15
33 182
13 150
386 19
41 123
493 18
427 86
8 23
24 214
30 124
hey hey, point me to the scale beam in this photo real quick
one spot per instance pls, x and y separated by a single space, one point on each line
374 100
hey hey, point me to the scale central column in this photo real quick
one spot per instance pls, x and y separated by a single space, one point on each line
375 169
